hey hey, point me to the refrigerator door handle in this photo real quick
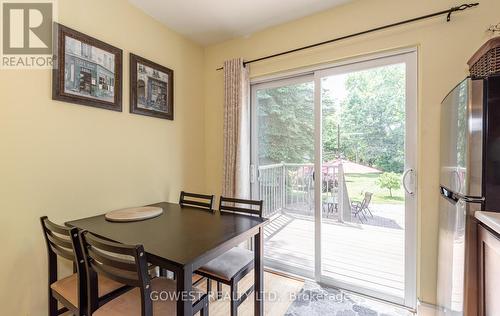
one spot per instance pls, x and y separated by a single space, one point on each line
449 195
455 197
471 199
405 175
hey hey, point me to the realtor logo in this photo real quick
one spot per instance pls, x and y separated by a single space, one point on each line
27 33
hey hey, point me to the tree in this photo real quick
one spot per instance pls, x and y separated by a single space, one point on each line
286 128
390 181
365 123
372 119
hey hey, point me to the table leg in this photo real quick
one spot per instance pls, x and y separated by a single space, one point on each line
184 290
259 273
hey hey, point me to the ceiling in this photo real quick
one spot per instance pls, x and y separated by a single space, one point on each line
213 21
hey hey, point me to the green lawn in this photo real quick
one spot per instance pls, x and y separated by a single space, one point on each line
358 184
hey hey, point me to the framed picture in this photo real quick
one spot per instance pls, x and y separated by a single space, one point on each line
86 71
151 88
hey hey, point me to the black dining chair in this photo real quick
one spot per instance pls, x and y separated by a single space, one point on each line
202 201
128 264
232 266
71 291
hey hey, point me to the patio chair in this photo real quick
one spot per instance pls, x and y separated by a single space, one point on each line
330 203
361 208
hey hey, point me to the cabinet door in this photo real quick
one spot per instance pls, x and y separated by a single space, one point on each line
489 273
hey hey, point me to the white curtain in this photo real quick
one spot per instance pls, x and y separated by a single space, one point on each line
236 181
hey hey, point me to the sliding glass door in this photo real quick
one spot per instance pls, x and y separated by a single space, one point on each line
283 175
333 157
367 158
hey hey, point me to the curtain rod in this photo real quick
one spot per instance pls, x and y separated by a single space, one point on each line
448 19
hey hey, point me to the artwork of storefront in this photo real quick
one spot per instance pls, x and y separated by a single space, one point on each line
151 92
87 78
157 94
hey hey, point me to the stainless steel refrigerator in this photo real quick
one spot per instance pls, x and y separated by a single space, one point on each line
469 181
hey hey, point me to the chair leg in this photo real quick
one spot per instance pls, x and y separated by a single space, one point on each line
357 214
52 305
364 216
209 286
204 311
219 290
369 212
234 298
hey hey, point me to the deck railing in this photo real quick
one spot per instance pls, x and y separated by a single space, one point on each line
290 186
286 186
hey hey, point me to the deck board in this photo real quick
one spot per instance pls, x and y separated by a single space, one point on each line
365 255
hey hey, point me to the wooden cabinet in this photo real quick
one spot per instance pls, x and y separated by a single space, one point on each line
489 272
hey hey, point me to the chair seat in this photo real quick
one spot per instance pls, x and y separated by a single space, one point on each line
68 287
130 302
227 265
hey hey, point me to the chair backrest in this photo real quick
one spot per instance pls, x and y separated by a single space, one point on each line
197 200
248 207
63 242
126 264
367 199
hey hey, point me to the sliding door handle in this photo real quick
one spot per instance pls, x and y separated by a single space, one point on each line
253 176
405 175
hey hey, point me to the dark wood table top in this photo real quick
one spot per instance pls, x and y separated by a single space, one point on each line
180 235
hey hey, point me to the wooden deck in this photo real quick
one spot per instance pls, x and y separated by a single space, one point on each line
363 255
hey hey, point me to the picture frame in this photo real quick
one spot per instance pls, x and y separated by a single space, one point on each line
86 71
151 88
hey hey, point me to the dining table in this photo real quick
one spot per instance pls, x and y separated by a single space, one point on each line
182 239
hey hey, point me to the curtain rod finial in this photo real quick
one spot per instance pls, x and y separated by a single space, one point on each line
462 7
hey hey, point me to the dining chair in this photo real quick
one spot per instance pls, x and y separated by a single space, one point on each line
71 291
128 264
235 264
202 201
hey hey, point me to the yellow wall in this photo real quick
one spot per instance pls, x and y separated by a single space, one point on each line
69 161
444 49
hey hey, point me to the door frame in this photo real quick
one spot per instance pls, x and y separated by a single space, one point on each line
409 56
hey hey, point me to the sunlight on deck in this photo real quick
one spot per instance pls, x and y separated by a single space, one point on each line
363 255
